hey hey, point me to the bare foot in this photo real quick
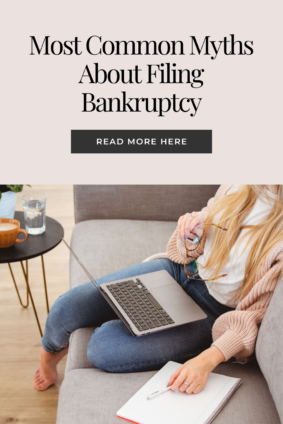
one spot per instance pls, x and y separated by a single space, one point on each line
46 374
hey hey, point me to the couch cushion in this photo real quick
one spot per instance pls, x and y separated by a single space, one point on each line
77 357
104 246
143 202
93 396
251 403
269 347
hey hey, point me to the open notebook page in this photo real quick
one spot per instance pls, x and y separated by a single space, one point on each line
176 407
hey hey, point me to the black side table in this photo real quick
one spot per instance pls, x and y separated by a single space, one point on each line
34 246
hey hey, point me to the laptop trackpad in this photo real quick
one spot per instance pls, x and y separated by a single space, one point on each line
171 295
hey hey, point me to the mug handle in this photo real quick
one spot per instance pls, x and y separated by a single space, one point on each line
25 233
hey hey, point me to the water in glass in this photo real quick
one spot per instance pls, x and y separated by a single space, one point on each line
35 221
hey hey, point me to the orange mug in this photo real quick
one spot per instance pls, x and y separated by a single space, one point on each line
9 231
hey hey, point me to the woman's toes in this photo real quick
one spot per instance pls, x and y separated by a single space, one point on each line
37 375
43 385
35 384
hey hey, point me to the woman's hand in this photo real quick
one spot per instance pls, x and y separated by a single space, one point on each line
195 372
189 227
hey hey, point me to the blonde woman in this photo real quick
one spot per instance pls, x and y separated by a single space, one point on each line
230 269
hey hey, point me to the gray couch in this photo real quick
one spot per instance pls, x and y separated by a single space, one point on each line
117 226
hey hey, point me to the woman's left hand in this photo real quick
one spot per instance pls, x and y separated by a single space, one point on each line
195 372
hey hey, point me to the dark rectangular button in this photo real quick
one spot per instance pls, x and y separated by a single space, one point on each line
141 141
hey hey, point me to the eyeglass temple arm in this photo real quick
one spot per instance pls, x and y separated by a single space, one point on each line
216 278
210 279
218 226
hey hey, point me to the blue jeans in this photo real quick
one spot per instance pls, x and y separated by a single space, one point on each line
112 347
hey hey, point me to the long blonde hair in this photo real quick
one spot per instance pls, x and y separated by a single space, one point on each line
235 207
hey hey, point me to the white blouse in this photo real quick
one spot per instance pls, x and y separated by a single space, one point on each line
224 289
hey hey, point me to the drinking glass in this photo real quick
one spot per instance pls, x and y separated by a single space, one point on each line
34 206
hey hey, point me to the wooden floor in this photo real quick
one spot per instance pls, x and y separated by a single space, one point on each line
19 335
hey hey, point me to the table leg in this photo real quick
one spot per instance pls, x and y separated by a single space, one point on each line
45 285
30 295
17 290
28 290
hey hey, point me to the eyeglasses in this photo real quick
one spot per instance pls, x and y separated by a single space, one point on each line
195 263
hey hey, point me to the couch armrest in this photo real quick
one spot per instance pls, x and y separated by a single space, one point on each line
269 347
139 202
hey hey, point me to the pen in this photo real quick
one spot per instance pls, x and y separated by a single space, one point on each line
159 392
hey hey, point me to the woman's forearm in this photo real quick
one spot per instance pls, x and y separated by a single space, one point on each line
212 357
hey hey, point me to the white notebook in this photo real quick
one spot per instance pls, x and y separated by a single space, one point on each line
176 407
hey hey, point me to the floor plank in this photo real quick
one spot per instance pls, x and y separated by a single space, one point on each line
19 336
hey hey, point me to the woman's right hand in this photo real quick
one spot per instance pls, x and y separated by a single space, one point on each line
190 227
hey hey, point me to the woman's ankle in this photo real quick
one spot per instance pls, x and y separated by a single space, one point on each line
52 358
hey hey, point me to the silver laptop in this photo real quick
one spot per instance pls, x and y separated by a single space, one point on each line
148 303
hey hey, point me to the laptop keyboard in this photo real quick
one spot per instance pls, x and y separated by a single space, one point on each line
139 304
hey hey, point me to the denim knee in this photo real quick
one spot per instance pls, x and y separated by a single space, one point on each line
101 349
61 312
96 352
